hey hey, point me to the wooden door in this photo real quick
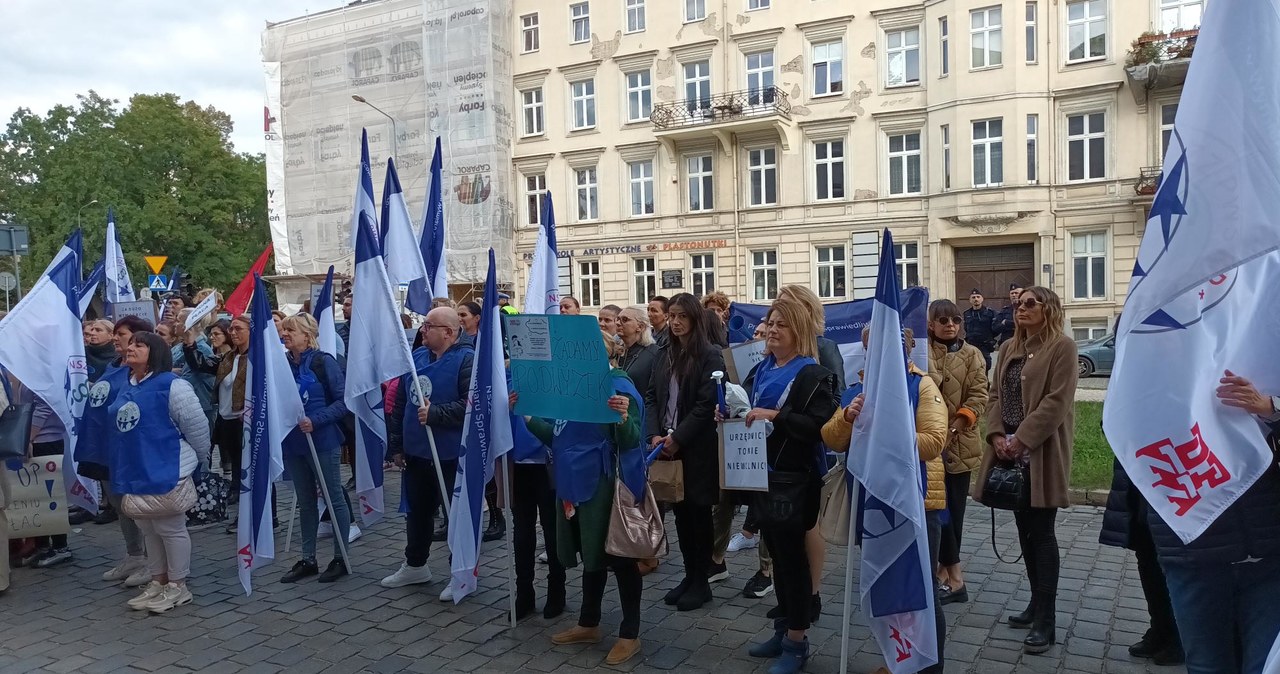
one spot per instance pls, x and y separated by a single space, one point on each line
991 269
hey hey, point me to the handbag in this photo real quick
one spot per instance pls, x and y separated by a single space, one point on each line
666 481
15 424
177 501
212 492
834 516
635 532
1008 486
783 505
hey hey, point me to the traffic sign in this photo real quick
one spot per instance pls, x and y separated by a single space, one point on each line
158 282
8 281
156 262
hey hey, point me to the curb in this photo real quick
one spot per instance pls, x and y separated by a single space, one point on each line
1088 497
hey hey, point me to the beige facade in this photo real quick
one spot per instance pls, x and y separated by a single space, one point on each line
746 144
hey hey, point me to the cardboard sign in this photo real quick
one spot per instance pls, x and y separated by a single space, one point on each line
559 368
144 309
37 497
740 358
744 461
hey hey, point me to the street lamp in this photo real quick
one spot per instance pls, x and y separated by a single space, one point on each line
82 211
395 133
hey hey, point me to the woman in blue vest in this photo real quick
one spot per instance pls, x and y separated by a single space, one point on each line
159 437
586 458
320 382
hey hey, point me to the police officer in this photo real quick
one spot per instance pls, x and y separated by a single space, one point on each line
979 329
1003 325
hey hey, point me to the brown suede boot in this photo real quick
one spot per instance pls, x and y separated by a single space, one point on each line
577 635
623 650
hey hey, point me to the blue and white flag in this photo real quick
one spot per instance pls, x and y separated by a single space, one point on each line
486 437
543 294
1206 274
272 408
74 246
399 245
41 344
90 286
364 203
118 287
431 244
896 577
327 340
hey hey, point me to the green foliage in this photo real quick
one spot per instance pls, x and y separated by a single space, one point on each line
168 168
1092 460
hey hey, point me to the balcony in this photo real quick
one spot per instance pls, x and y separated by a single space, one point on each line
1159 61
721 115
1148 181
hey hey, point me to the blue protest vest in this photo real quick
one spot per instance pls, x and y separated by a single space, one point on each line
145 447
582 453
526 448
93 437
443 373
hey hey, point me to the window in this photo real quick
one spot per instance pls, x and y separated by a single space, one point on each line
1168 113
757 4
635 16
584 104
695 10
406 56
760 78
589 283
639 95
907 257
588 194
580 14
946 156
535 198
1086 30
944 51
646 279
697 88
831 271
762 168
828 166
764 275
902 56
1089 265
531 105
641 187
1033 134
828 68
1031 32
701 183
1175 14
988 153
529 32
1087 146
1084 330
985 37
904 163
703 276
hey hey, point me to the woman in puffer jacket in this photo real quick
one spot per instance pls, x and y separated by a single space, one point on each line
959 370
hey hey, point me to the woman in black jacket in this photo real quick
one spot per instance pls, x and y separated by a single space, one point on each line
680 413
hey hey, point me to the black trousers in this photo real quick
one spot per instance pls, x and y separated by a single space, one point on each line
791 580
630 586
1039 544
54 448
957 498
532 501
1164 628
228 434
696 531
933 525
422 493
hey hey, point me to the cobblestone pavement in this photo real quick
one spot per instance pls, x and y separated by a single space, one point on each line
66 619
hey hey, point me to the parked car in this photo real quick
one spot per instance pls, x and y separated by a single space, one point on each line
1096 356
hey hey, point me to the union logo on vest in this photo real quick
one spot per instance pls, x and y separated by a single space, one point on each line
128 416
98 394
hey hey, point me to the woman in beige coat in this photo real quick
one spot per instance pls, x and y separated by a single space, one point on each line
1031 419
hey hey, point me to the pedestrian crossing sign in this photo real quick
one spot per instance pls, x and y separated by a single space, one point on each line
157 282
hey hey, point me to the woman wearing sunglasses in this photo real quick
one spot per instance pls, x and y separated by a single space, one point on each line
1031 420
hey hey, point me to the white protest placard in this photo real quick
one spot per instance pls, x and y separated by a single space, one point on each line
37 497
740 358
144 309
743 456
203 309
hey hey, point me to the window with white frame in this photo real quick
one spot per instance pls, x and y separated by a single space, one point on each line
584 104
646 278
697 88
986 38
828 68
701 183
902 57
641 181
988 153
695 10
635 16
1089 265
580 16
1180 14
535 197
1033 137
1087 146
589 283
757 4
639 95
830 269
1032 10
907 257
588 194
1086 30
904 163
760 78
702 273
762 171
1168 113
828 169
764 275
530 38
531 107
944 47
946 156
1085 330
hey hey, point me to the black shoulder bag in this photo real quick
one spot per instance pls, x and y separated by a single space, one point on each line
15 424
783 505
1008 487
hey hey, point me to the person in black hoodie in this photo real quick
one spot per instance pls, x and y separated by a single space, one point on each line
99 349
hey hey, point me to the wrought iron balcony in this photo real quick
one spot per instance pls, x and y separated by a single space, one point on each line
1159 61
728 107
1148 181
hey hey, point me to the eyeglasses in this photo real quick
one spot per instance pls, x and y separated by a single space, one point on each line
236 328
432 326
1027 303
949 320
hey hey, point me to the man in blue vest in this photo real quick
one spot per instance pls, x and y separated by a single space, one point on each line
445 366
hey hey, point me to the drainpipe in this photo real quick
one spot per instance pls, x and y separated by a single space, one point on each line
740 287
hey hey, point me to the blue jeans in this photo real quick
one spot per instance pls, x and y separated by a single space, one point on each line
1227 614
303 472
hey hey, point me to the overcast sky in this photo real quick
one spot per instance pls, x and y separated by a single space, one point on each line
209 52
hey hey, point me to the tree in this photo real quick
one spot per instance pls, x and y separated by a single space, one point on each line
168 168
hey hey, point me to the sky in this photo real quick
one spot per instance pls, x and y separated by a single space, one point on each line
207 51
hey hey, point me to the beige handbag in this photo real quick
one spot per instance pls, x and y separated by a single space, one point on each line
635 533
833 518
666 481
179 500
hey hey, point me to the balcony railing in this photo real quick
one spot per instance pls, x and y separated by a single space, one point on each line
736 105
1148 181
1154 47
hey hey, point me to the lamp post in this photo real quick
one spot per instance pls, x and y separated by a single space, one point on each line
395 132
82 211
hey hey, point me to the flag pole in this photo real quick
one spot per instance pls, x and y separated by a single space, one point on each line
328 501
445 494
509 537
848 584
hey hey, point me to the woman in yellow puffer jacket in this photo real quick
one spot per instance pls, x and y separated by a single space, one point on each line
959 370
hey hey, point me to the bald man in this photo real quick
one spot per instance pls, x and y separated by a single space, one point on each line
444 364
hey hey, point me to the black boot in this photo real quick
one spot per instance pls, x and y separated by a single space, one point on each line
1023 619
555 598
525 605
698 594
1043 634
497 526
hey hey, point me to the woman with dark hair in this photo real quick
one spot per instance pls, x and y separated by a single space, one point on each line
682 402
469 317
228 399
220 337
717 333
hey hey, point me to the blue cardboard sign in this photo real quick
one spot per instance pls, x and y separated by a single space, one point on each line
559 368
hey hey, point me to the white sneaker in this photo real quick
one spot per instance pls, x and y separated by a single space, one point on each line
447 593
171 597
153 590
138 578
124 569
407 575
325 530
740 542
353 533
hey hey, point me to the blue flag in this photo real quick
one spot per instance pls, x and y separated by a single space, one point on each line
90 286
119 288
327 341
431 244
542 296
404 260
